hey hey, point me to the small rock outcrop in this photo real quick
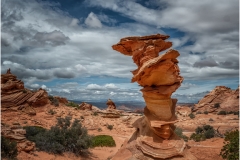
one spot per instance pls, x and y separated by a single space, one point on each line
110 104
13 94
17 133
159 76
85 106
220 98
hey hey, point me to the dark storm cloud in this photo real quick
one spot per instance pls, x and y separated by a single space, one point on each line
208 62
54 38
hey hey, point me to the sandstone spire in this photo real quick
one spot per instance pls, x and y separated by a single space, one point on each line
159 76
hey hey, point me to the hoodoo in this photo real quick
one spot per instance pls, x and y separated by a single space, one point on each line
159 76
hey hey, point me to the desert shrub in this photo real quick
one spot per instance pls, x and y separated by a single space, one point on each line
211 119
8 148
191 115
197 137
72 104
205 112
63 137
95 113
236 113
103 140
230 150
202 133
32 131
110 127
178 131
230 112
199 112
222 113
99 129
216 105
54 101
52 112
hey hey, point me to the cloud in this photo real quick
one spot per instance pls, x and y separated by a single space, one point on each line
54 38
93 21
208 62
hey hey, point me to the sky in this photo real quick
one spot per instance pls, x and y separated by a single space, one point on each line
65 47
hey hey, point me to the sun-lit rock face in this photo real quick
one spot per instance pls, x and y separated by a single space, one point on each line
159 75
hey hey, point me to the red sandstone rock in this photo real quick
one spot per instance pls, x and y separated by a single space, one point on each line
227 99
110 104
85 106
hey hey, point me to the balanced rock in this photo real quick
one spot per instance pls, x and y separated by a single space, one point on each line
85 106
159 76
110 104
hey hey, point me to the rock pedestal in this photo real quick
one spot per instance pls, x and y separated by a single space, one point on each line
159 76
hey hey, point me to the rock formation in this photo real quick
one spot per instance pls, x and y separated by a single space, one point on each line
85 106
154 137
110 104
17 133
220 98
13 94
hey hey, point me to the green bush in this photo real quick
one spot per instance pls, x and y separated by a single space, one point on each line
191 115
72 104
103 140
63 137
32 131
216 105
95 113
178 131
197 137
205 112
230 150
202 133
52 112
211 119
8 148
222 113
110 127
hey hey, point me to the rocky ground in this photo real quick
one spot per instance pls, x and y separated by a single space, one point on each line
96 121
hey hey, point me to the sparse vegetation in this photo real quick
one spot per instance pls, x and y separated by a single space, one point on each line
54 101
95 113
103 140
205 112
222 113
203 133
199 112
52 112
99 129
216 105
191 115
178 131
211 119
72 104
230 150
8 148
110 127
62 137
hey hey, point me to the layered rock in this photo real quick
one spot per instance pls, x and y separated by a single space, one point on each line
220 98
159 76
17 133
110 104
85 106
13 94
